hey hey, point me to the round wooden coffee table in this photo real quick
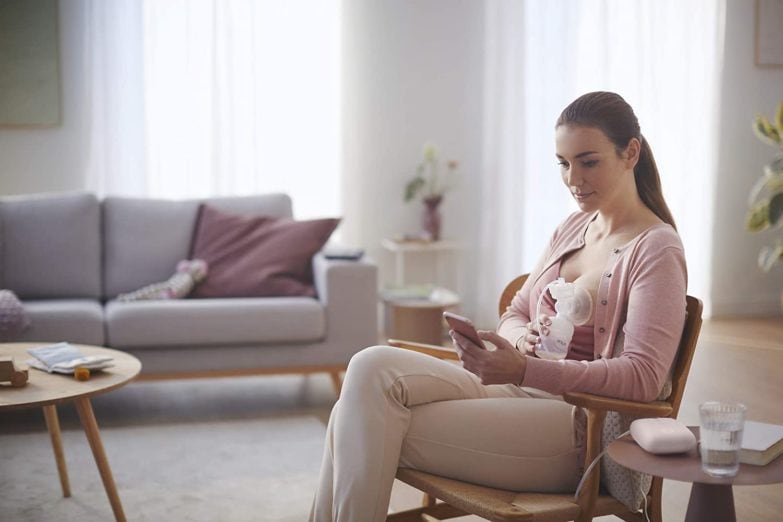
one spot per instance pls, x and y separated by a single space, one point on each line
47 390
711 497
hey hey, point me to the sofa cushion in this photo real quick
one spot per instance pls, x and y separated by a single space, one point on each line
144 238
71 320
257 256
50 246
194 322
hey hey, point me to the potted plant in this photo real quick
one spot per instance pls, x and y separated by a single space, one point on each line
431 183
766 198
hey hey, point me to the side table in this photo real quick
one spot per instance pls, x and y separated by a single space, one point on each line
47 390
711 498
418 319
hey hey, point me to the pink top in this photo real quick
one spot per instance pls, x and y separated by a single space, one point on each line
639 315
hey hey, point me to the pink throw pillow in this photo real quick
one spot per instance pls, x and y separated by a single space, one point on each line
257 256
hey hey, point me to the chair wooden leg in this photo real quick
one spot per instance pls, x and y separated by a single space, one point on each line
337 382
589 491
654 509
426 514
428 500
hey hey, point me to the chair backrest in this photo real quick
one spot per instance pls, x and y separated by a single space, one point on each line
508 293
685 351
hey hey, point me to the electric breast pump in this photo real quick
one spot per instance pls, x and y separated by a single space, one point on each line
573 305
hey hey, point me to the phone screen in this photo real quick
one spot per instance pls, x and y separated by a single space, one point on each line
464 326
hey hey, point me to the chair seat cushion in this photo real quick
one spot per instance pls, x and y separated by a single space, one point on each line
194 322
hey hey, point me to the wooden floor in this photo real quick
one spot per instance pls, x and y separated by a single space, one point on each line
738 359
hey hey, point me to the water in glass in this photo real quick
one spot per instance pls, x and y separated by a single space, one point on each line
721 438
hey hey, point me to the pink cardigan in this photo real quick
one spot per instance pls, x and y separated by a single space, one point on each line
639 316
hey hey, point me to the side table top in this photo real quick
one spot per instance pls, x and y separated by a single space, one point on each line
686 467
44 388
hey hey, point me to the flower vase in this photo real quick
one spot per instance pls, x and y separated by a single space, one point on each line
430 219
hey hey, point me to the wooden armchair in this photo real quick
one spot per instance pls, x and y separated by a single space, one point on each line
462 498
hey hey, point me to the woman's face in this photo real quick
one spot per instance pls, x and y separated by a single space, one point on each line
596 175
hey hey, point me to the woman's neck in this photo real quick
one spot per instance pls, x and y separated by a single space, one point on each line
631 216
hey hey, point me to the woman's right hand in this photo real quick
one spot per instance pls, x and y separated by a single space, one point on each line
532 337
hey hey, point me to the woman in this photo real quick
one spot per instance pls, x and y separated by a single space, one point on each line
503 422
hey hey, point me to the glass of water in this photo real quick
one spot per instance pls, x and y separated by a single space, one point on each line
721 437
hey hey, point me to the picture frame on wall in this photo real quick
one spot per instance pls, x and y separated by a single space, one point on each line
768 33
29 64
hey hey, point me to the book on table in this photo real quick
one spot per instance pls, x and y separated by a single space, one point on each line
761 443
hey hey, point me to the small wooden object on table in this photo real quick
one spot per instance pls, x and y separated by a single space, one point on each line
11 372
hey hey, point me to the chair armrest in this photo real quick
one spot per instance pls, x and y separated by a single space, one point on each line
639 409
430 349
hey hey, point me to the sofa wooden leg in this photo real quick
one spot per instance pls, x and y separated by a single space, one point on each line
337 382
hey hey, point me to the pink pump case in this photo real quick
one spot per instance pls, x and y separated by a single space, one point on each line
662 435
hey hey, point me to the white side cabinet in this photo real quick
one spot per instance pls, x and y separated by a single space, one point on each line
408 313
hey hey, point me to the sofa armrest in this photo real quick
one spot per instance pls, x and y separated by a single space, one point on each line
349 291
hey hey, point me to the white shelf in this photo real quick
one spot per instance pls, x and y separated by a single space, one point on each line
420 246
401 248
438 298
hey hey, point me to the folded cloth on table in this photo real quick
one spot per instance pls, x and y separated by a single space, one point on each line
65 358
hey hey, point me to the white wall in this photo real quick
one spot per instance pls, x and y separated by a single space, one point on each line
53 159
739 287
412 73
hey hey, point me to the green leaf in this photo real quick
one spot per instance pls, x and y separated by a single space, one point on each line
775 208
768 256
779 117
758 218
413 187
765 131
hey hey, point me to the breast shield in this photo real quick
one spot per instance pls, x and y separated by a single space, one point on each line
574 306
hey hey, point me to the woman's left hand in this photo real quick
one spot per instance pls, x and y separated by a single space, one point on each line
505 365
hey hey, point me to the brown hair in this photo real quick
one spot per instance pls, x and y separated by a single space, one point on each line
612 114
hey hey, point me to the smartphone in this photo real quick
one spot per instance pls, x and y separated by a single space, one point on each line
464 326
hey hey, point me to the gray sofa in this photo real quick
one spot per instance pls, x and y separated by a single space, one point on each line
67 256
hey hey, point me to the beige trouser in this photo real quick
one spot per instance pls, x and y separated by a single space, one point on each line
401 408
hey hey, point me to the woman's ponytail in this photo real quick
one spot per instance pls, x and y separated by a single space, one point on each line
648 184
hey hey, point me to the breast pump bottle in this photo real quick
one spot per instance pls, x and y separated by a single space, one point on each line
574 306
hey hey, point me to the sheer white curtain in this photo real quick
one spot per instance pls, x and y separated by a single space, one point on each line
242 96
230 97
114 97
663 56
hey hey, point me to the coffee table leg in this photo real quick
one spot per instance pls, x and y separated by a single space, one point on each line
53 425
87 417
711 502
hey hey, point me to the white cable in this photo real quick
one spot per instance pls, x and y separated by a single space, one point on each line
593 463
644 496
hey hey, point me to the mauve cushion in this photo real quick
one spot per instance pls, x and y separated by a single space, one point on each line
257 256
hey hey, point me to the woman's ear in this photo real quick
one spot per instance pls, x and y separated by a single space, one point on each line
632 152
